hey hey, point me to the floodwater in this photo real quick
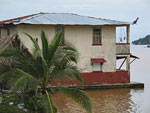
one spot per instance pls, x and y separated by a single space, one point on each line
118 100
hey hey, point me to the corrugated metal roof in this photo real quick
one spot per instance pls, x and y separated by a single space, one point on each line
16 19
65 19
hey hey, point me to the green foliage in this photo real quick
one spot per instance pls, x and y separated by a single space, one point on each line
32 102
39 68
8 98
4 108
142 41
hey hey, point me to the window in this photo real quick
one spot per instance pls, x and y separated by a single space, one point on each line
97 36
97 66
97 63
58 29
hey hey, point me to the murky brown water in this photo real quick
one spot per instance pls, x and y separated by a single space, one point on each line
105 101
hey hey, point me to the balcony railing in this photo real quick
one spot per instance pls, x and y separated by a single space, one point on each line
122 48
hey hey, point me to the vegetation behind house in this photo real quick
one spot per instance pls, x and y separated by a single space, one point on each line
142 41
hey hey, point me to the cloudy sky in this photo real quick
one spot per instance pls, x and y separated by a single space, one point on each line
125 10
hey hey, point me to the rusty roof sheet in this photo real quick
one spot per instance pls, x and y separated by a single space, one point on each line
16 19
62 19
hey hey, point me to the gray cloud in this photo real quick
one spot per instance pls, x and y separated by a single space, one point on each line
126 10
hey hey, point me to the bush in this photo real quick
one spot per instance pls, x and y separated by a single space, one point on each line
9 109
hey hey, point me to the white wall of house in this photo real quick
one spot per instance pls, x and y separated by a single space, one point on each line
35 32
81 38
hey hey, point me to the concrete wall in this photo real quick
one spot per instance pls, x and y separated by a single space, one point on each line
81 38
97 78
35 32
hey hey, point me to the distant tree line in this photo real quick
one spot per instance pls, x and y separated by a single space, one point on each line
142 41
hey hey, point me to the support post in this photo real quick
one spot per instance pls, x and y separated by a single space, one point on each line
128 64
122 63
128 33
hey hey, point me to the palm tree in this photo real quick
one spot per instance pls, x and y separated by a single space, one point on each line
35 70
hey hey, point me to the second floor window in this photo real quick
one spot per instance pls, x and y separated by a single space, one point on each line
97 37
58 29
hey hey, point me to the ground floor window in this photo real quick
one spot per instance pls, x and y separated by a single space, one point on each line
97 67
97 63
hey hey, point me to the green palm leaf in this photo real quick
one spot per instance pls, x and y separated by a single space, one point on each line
44 105
25 79
44 45
12 52
33 41
40 67
53 46
69 71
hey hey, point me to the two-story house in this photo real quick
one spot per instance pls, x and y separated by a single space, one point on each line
94 38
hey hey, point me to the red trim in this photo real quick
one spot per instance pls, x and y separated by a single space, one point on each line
18 19
98 60
122 43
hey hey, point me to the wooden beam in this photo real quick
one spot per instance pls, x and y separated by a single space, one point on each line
132 61
128 64
122 63
128 33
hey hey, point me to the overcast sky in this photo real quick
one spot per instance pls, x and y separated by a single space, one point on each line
124 10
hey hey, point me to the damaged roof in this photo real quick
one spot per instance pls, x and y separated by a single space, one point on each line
62 19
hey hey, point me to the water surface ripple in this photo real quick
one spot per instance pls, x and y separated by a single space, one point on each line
105 101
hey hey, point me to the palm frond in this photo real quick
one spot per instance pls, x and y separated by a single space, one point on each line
64 65
69 47
42 66
24 80
9 74
63 54
53 46
12 52
78 96
67 72
33 41
44 105
44 45
37 54
73 53
37 51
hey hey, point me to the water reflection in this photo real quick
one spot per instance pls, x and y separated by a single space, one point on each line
105 101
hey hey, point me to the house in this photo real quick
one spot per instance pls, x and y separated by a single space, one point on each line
94 38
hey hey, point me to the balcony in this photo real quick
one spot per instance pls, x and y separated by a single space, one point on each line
122 48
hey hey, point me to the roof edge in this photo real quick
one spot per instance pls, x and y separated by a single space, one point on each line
18 19
9 21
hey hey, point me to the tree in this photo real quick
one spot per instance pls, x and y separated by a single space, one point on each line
33 71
